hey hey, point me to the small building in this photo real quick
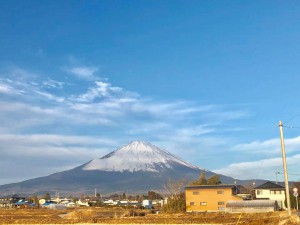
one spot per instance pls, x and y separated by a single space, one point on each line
54 206
110 202
24 205
42 201
252 206
70 204
271 191
82 203
147 204
10 200
212 198
93 200
67 202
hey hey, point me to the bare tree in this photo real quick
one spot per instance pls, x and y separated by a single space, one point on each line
250 188
174 191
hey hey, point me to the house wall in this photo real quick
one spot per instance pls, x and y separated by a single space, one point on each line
278 195
198 200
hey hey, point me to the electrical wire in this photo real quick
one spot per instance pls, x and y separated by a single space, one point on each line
293 174
292 127
292 118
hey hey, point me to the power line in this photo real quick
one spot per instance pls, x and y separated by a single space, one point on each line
291 127
292 118
294 174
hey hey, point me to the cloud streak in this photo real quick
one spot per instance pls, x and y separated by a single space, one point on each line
83 72
257 169
49 153
5 89
266 157
100 91
269 147
50 83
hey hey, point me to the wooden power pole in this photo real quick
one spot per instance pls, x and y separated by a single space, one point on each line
286 179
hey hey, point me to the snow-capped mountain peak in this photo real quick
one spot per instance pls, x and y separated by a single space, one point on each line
137 156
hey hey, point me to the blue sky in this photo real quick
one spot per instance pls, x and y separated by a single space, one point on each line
205 80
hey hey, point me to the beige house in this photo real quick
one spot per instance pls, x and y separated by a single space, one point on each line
212 198
271 191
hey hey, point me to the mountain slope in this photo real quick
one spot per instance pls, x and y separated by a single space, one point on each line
136 167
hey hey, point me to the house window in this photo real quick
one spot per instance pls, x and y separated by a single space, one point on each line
273 192
278 192
192 203
259 192
203 203
221 203
220 192
195 192
221 208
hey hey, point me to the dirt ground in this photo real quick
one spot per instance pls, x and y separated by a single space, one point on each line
126 216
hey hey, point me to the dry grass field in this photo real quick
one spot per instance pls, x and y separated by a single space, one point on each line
125 216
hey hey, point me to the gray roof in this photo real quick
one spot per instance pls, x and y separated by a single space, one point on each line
238 188
270 186
210 186
252 203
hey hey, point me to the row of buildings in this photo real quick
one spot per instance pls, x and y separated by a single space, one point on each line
235 198
16 201
199 198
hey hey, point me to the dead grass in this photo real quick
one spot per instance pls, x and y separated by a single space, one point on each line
124 216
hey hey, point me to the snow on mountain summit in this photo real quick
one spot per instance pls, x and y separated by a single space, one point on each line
137 156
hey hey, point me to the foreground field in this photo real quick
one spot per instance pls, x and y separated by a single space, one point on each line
125 216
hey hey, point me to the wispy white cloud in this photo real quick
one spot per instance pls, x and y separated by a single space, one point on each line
84 72
49 153
50 83
100 90
270 146
266 158
104 102
259 169
28 84
6 89
53 145
50 96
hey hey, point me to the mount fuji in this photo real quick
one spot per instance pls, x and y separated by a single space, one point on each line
136 167
137 156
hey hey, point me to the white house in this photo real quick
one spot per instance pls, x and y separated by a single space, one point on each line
82 203
110 202
42 201
271 191
147 203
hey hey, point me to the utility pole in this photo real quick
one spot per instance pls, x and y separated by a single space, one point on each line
286 179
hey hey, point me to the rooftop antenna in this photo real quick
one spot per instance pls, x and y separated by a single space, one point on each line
276 173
